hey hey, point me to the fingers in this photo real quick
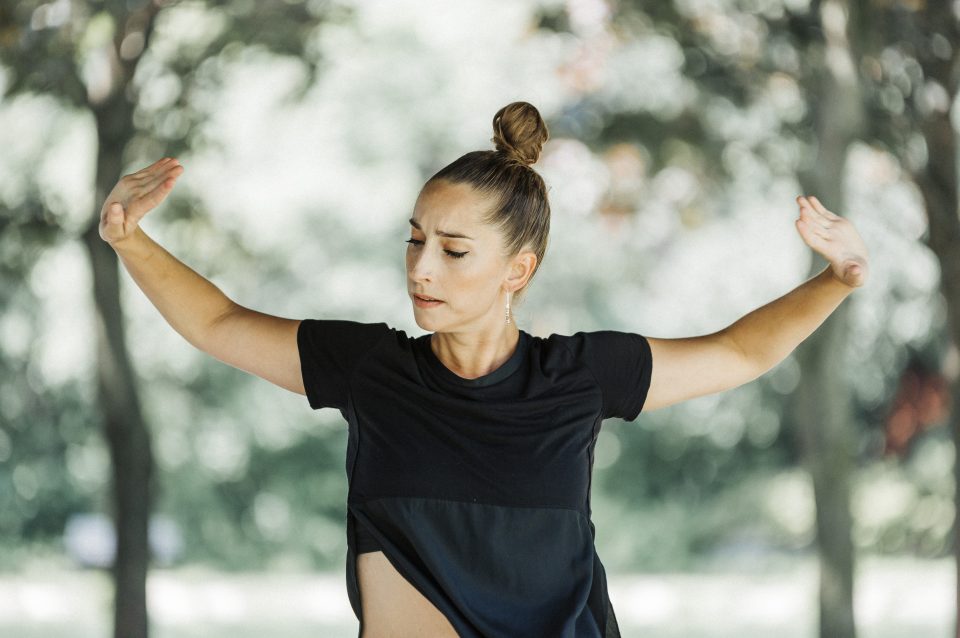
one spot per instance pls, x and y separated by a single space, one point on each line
135 195
822 209
153 187
114 214
146 171
819 208
112 229
814 221
161 174
813 231
151 199
813 216
160 191
814 225
157 172
151 172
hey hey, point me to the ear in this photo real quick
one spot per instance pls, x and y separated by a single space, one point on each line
521 269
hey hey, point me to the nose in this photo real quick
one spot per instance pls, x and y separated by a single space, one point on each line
419 265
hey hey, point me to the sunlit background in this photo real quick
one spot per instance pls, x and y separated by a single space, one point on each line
677 137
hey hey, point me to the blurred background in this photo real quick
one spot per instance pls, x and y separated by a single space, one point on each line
146 484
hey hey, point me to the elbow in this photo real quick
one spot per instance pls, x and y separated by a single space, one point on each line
210 338
748 365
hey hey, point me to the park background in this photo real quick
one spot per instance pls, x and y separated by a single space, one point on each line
681 134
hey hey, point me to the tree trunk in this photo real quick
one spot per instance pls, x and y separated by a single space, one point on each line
126 433
822 411
937 181
821 404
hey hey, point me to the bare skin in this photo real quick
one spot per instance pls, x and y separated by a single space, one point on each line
471 337
392 607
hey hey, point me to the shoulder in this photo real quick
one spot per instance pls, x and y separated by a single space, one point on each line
347 339
345 333
595 345
331 350
619 362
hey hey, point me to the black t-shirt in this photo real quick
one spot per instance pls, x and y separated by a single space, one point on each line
478 490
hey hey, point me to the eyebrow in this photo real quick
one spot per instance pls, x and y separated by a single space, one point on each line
416 225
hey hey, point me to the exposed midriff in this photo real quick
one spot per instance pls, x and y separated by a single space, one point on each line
392 607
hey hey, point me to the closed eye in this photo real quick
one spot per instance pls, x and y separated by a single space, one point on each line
452 253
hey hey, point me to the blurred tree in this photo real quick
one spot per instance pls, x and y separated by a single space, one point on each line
859 70
910 67
744 57
885 73
822 404
90 56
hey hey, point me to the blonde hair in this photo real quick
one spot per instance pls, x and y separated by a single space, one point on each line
519 206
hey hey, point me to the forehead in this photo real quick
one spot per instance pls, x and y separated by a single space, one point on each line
451 207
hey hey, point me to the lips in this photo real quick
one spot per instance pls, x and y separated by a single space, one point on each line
426 298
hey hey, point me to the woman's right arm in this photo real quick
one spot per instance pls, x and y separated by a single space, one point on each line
261 344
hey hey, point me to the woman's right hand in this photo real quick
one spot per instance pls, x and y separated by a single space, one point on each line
134 196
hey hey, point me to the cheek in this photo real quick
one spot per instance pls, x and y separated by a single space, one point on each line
478 283
468 280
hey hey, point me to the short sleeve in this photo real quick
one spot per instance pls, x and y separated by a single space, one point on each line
622 365
329 351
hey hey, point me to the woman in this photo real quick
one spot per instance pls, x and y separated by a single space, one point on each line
470 448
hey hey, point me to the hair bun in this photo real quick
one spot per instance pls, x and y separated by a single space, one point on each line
519 132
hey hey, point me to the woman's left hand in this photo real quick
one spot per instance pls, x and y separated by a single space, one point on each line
836 239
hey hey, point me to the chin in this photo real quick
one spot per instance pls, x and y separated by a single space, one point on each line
423 321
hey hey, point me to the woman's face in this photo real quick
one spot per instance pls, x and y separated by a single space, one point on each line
468 274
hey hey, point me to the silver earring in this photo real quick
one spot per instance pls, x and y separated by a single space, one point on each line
508 307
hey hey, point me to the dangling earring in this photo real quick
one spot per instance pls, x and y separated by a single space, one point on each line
508 307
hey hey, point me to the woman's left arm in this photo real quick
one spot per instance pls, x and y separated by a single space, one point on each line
690 367
768 334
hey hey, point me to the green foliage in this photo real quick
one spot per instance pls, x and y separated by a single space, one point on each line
44 476
286 508
682 487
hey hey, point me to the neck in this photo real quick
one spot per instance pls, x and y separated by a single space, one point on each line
475 354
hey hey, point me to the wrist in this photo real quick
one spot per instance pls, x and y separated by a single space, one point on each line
837 282
131 246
